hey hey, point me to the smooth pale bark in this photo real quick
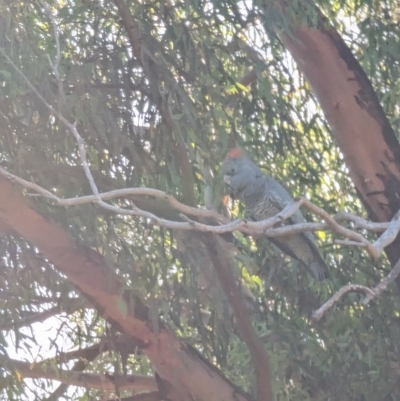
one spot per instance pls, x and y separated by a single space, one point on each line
183 374
360 127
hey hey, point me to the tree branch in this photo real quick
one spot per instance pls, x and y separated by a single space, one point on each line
93 277
337 228
317 315
88 380
154 396
389 236
256 348
370 293
373 252
259 227
68 306
152 73
351 108
85 356
382 286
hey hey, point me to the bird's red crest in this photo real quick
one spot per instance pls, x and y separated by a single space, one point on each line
234 153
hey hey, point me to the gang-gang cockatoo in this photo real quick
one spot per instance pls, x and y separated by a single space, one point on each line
265 197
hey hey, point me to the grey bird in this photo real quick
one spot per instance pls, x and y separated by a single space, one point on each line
265 197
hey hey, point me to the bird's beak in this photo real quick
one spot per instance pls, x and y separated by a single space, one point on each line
227 179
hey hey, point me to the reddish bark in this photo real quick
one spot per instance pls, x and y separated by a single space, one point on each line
363 133
259 357
183 374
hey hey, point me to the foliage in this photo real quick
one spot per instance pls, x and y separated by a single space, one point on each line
135 116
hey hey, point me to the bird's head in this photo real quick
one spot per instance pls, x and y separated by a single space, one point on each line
239 172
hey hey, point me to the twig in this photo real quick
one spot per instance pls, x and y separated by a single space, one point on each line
379 288
287 212
70 127
88 380
119 193
56 37
336 227
371 293
69 306
28 184
355 238
317 315
349 243
361 223
259 227
389 235
249 227
55 65
374 250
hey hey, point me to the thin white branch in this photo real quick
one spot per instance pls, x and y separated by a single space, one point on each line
361 223
389 235
259 227
243 225
55 65
28 184
119 193
370 293
353 237
337 228
286 213
70 127
37 93
317 315
382 286
349 243
85 165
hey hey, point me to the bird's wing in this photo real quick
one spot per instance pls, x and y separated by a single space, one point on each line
280 197
302 247
310 254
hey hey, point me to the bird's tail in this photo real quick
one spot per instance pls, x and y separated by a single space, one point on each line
303 248
318 269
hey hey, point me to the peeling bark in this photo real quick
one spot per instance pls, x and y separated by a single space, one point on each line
363 133
183 374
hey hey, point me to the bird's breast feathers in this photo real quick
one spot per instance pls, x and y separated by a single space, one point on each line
227 179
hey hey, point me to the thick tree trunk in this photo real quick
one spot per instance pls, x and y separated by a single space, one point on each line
183 374
363 133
